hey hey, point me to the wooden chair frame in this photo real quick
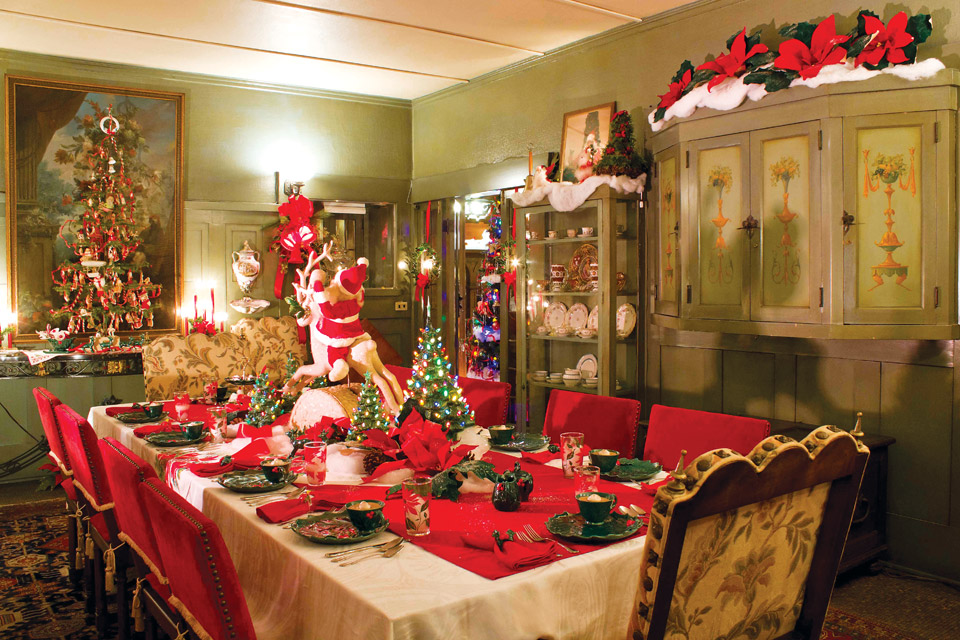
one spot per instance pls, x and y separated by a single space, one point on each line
722 480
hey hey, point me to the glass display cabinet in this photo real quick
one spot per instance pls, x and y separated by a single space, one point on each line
580 319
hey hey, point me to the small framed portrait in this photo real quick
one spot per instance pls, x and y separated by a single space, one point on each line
585 134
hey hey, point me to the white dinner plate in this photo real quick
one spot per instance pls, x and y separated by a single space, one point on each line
593 321
555 315
577 316
588 366
626 319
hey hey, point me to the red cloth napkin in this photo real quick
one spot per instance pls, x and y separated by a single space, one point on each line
248 431
545 456
283 510
246 458
517 555
322 499
144 431
113 412
651 489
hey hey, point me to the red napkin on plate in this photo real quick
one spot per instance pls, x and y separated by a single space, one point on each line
113 412
545 456
516 555
144 431
283 510
651 489
323 499
246 458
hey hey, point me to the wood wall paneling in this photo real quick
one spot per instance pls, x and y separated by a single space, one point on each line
748 383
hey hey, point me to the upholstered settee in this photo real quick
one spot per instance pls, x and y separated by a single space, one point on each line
177 364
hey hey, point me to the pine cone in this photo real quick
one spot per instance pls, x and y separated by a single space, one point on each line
372 460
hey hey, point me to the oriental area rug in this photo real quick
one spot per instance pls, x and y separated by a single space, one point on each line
37 601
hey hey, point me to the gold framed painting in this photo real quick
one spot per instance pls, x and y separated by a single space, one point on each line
585 134
51 127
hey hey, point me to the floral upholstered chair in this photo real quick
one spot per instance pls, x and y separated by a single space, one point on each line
177 364
748 546
269 341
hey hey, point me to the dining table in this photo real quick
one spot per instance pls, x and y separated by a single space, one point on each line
294 592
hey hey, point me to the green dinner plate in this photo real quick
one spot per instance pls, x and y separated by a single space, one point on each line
632 470
171 439
524 442
333 527
572 526
251 481
139 417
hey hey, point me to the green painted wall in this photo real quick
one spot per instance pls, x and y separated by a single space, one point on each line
475 137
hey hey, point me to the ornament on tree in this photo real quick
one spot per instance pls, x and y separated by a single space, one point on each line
337 341
620 158
369 413
483 348
436 393
424 268
103 238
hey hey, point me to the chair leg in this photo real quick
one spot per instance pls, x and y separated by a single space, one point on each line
74 574
89 585
123 602
100 594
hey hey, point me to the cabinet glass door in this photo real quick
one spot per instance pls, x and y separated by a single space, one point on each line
890 187
785 249
718 184
667 262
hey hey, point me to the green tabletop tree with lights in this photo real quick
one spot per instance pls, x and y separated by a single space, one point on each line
620 157
435 391
369 412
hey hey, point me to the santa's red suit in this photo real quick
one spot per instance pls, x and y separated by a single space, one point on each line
339 324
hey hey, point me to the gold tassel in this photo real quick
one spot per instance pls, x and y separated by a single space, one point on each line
81 541
110 569
136 607
89 546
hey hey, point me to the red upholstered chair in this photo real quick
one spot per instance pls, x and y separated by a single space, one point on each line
46 403
90 479
608 423
672 429
402 374
206 590
488 399
126 472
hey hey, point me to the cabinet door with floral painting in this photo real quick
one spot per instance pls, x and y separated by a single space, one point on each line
890 251
667 198
785 247
717 284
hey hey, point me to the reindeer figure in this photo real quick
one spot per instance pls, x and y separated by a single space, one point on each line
337 341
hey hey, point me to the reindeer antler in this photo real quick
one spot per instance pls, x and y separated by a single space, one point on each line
326 251
312 261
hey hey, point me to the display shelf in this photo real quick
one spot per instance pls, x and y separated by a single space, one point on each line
623 392
563 240
579 294
535 336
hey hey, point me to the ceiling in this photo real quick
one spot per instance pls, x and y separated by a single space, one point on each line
395 48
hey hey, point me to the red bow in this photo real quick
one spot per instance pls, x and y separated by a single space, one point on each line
295 238
510 279
422 281
424 444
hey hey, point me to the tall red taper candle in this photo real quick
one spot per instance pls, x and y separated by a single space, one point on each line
213 305
530 162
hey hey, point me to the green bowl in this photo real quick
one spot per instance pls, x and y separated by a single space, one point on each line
192 430
501 435
606 461
365 520
595 512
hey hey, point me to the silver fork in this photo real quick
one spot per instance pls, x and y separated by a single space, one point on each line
526 538
536 537
259 501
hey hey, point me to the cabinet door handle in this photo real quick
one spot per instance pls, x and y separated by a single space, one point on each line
689 293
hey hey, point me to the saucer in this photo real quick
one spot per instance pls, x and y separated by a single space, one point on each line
333 527
251 481
572 526
139 417
524 442
171 439
632 470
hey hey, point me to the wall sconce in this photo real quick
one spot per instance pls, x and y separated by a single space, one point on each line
292 188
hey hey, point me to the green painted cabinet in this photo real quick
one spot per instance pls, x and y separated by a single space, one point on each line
820 213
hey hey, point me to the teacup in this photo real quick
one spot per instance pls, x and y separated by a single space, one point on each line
571 233
551 234
153 410
606 459
222 394
275 468
586 333
595 506
533 235
192 430
366 515
587 231
501 433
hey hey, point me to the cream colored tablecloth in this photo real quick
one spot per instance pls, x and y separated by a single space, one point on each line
294 593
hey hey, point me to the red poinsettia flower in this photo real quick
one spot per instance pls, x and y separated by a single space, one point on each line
675 91
823 51
887 41
730 65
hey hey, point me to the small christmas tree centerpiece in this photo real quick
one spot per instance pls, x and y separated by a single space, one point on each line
436 393
620 157
369 413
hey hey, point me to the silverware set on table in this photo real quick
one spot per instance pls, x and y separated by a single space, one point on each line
633 511
260 499
529 534
383 549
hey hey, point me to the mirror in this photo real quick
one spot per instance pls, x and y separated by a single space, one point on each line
365 229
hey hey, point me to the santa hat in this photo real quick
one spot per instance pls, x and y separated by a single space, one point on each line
352 279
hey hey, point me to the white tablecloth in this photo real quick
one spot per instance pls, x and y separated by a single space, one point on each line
293 592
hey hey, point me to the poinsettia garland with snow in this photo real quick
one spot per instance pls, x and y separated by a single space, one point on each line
812 55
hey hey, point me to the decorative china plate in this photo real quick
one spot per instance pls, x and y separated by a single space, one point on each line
578 272
588 366
524 442
333 527
576 317
171 439
593 320
632 470
626 319
139 417
555 315
251 481
572 526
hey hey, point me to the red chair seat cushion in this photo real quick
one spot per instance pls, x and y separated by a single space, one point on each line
672 429
488 400
607 423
